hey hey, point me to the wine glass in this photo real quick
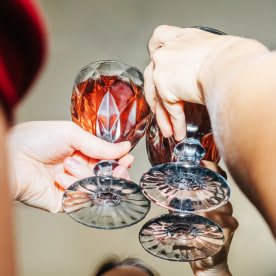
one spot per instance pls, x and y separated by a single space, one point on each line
182 184
179 183
108 101
183 187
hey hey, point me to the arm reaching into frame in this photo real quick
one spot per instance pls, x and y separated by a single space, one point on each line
235 78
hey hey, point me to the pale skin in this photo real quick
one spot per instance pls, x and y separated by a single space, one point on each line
7 258
46 157
50 156
40 156
235 78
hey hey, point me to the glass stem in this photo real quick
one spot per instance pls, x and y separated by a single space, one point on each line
105 167
189 151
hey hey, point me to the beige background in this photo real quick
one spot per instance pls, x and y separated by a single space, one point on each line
85 31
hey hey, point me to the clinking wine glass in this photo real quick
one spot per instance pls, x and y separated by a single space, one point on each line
108 101
184 187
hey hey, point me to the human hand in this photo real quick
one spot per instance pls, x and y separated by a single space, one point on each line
217 264
79 166
179 71
37 151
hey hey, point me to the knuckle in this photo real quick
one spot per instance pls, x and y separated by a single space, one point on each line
159 30
226 209
158 76
235 223
157 56
146 72
150 99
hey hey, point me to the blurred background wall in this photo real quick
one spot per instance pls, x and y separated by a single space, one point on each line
82 31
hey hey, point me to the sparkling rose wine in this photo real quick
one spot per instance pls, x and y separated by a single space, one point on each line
160 149
110 108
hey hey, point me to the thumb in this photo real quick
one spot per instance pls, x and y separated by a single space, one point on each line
95 147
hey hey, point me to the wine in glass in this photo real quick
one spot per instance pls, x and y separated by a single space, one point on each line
161 149
108 101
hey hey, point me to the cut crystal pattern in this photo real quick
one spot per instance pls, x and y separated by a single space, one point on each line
181 238
108 101
110 104
182 188
105 202
108 125
180 184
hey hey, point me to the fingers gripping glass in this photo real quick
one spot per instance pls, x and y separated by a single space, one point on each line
180 184
108 101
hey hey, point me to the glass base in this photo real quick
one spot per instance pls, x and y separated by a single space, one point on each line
182 187
181 238
105 202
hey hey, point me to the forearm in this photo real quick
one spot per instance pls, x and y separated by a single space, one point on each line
240 94
221 270
7 261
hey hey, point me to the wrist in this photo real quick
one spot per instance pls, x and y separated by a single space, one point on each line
228 56
219 270
13 165
14 188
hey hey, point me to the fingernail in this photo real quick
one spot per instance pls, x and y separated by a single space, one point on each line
178 137
126 144
71 162
153 109
121 173
131 159
167 133
60 178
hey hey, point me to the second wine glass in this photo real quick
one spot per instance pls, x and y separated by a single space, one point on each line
183 187
108 101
